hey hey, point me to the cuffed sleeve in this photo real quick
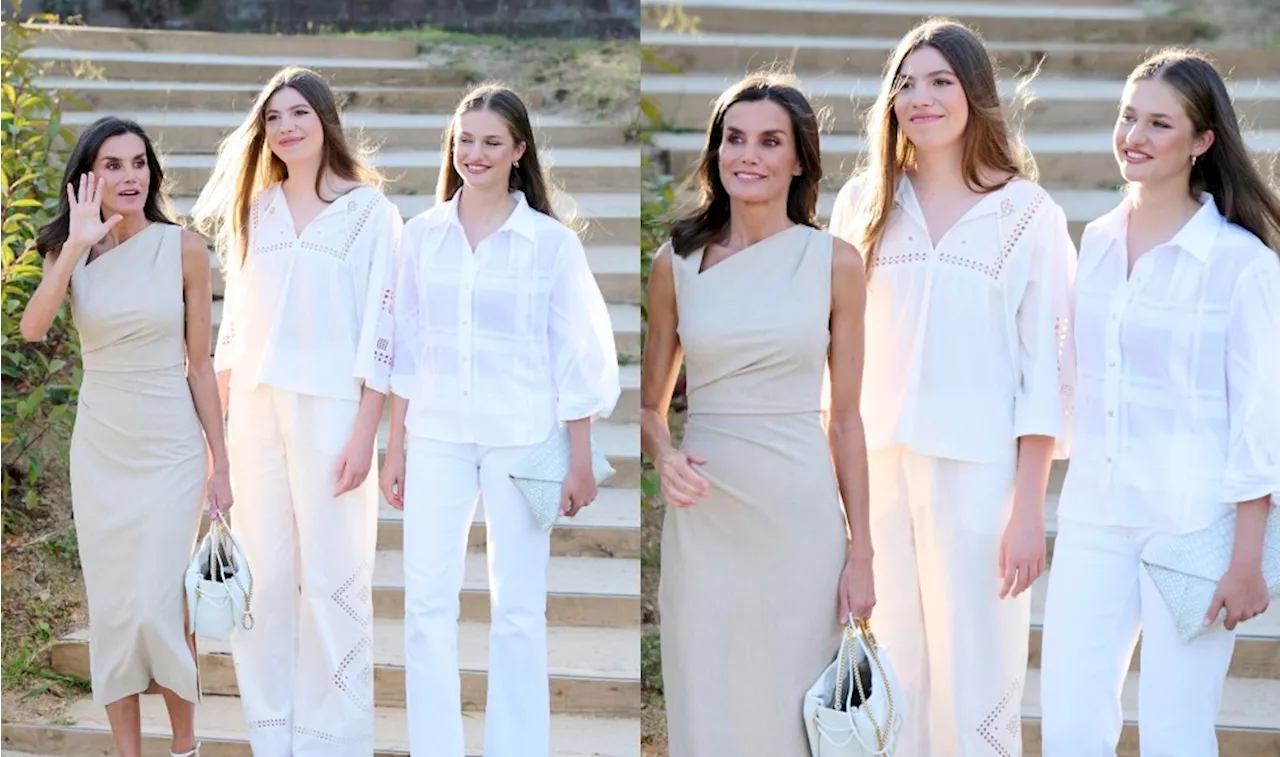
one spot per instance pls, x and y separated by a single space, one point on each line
584 357
377 324
224 349
404 353
1043 402
1253 385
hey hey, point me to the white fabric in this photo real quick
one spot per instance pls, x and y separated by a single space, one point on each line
1178 405
305 671
313 314
963 341
959 651
441 486
493 346
1099 599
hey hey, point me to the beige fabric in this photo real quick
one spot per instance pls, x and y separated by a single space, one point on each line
750 572
137 465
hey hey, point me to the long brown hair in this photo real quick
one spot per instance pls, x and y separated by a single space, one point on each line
527 176
1225 170
711 217
991 146
246 165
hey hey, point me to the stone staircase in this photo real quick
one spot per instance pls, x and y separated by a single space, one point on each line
1085 49
188 89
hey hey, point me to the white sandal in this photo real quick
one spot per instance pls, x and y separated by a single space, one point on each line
193 753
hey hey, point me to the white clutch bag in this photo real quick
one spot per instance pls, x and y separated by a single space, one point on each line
219 585
1186 569
540 476
855 708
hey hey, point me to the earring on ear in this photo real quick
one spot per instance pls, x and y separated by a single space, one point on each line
515 164
1193 159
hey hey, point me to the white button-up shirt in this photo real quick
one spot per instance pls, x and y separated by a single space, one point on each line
965 340
312 313
495 346
1178 404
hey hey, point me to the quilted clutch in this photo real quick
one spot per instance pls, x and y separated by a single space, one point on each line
1186 569
540 476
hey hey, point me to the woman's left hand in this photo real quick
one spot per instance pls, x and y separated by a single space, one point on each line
1243 592
578 491
218 492
1022 551
353 464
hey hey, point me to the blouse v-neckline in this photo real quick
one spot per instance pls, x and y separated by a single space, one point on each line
293 225
969 212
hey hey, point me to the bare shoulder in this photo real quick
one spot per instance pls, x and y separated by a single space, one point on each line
662 260
195 252
846 261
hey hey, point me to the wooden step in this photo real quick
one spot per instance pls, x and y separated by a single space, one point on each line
286 46
581 591
82 731
593 671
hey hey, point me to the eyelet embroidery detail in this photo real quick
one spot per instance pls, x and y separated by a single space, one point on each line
339 254
1006 208
364 218
1002 728
227 333
354 676
878 260
272 723
1010 243
272 248
359 605
329 737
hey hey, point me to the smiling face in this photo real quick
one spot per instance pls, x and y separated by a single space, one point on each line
758 156
122 163
930 104
294 132
484 149
1154 139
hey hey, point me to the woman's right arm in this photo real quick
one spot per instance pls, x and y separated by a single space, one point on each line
47 300
660 368
404 366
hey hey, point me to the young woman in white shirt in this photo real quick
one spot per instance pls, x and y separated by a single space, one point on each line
969 267
1177 421
304 363
501 336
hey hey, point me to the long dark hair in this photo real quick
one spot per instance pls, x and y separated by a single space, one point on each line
527 177
156 208
990 145
246 165
709 220
1225 170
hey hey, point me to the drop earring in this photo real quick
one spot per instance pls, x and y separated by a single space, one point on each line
1193 160
515 164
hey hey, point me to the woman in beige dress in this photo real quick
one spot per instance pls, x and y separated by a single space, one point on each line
148 432
760 566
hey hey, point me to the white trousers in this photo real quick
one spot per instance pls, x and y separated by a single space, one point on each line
960 651
442 484
1100 596
305 670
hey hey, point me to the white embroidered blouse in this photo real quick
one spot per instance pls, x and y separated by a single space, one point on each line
496 345
313 313
965 340
1178 405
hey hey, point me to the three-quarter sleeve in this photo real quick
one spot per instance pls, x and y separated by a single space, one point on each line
377 324
405 344
583 354
1043 402
224 348
1253 389
845 211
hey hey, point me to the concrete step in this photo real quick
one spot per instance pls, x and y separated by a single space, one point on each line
200 132
110 96
130 65
609 527
610 219
82 731
1248 724
291 46
1075 160
893 18
620 442
1061 104
865 56
599 592
614 169
593 671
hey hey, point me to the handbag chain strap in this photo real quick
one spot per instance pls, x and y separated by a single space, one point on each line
225 535
849 643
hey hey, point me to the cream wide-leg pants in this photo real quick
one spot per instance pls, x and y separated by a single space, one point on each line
305 669
960 652
442 483
1100 597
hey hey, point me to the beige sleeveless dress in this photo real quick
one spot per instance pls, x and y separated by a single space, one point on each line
137 465
750 573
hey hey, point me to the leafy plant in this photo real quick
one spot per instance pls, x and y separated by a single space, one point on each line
40 381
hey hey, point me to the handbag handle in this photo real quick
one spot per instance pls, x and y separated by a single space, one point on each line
223 533
863 630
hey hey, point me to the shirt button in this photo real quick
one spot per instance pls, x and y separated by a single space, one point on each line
1112 364
1108 459
1114 317
1111 413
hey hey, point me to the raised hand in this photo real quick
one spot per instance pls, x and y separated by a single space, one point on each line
87 226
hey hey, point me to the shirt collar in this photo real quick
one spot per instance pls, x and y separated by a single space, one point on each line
1197 236
521 220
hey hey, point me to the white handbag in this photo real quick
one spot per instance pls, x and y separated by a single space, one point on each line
1186 569
219 585
540 475
839 726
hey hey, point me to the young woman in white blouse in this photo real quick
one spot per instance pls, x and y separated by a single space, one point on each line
969 267
304 364
501 334
1177 420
